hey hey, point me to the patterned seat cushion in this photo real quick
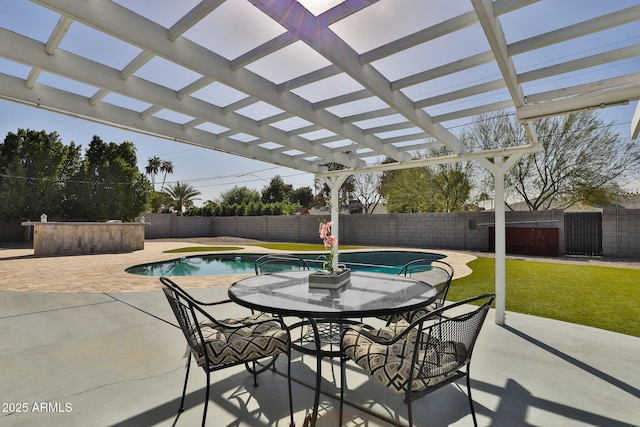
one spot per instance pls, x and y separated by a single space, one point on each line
410 316
225 345
391 364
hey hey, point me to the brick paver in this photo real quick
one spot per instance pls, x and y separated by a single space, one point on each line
20 270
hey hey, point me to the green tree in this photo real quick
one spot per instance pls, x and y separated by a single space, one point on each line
276 191
76 189
32 168
209 209
582 158
440 188
239 195
302 196
183 195
453 187
118 189
166 166
153 167
366 189
254 209
408 190
606 196
39 174
324 192
452 184
158 201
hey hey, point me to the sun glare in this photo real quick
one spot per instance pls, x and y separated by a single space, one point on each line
318 7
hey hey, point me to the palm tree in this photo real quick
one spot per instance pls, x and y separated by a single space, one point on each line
183 195
166 166
153 166
159 200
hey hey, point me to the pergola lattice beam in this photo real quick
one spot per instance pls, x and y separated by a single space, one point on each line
453 158
580 29
620 96
305 26
195 15
440 29
95 74
125 25
112 115
497 41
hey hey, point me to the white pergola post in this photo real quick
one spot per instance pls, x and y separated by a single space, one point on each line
498 169
500 241
335 182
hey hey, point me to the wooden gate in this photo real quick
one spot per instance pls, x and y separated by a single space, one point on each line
583 233
538 241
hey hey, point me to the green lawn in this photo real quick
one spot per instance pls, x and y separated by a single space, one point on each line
290 247
202 249
295 247
602 297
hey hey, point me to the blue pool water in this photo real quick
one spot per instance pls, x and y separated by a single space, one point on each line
205 265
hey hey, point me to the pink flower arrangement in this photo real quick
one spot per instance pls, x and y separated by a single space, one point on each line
329 242
325 234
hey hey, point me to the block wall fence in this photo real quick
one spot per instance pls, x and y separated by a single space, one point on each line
621 232
460 230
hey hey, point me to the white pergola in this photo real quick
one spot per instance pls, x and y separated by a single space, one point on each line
305 83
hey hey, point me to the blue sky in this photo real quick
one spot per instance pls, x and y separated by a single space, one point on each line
214 172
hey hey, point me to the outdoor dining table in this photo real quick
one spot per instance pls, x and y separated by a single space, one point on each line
368 294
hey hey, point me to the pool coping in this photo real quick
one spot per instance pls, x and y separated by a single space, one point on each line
22 271
207 263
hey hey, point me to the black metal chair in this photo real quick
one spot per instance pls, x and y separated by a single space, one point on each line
415 360
218 344
273 263
441 282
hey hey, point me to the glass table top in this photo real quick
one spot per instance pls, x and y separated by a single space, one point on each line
367 294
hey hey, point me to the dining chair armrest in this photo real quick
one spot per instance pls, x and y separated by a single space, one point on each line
226 301
168 282
440 312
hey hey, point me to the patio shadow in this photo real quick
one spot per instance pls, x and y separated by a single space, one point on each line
588 368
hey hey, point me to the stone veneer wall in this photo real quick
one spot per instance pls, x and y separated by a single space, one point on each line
69 238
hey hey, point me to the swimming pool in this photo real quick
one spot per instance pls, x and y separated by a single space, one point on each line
205 265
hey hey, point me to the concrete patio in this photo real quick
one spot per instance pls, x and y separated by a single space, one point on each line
103 349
